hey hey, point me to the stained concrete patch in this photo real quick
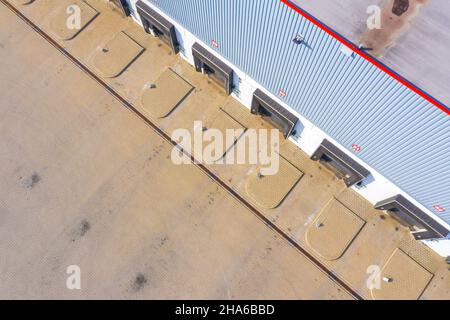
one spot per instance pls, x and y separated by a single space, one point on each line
81 230
333 231
116 55
85 226
61 23
404 279
139 282
166 94
270 191
32 181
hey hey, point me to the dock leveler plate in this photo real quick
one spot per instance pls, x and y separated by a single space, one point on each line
340 163
273 113
209 64
157 25
422 226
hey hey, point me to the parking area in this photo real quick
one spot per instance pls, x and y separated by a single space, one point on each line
87 182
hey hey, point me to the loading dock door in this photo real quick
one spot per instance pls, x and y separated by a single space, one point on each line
422 226
341 164
123 6
209 64
273 113
157 25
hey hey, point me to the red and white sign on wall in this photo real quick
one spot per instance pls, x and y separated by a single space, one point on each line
439 208
282 93
214 43
356 148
